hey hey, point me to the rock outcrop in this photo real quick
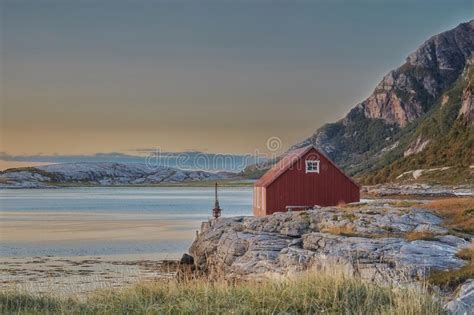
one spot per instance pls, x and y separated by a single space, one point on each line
467 107
417 146
367 241
419 190
463 304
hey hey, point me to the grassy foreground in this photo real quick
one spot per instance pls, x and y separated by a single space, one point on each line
307 294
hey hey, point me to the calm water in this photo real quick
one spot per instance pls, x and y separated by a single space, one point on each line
180 209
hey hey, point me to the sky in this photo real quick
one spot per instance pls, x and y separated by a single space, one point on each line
86 77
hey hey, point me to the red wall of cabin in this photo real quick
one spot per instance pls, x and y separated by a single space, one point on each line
295 187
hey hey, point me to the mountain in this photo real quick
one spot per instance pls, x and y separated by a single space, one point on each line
439 146
101 174
408 92
419 118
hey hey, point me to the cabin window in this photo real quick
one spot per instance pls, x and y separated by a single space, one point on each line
312 166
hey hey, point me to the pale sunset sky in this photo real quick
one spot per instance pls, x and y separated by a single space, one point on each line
83 77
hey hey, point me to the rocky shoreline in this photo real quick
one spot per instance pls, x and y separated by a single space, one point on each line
379 242
417 190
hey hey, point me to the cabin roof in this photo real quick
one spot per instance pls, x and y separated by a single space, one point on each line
287 161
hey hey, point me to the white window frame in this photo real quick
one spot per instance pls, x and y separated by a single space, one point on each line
312 166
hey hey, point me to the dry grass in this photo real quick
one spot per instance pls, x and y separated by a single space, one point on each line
309 293
355 205
467 253
450 279
344 230
422 235
348 230
404 203
457 212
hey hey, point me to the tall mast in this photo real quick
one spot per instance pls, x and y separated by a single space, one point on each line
216 212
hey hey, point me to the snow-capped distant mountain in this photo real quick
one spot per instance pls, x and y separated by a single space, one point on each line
101 174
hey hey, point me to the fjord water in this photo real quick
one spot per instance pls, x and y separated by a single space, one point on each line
106 221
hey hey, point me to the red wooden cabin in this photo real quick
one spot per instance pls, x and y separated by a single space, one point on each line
302 179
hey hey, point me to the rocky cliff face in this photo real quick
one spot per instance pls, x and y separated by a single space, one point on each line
466 113
467 108
405 94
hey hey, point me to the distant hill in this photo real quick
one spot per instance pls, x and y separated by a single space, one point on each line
417 125
211 162
102 174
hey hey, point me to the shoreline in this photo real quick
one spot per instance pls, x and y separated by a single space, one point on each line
230 183
374 191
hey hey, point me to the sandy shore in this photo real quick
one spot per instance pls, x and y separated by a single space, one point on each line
82 274
49 273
